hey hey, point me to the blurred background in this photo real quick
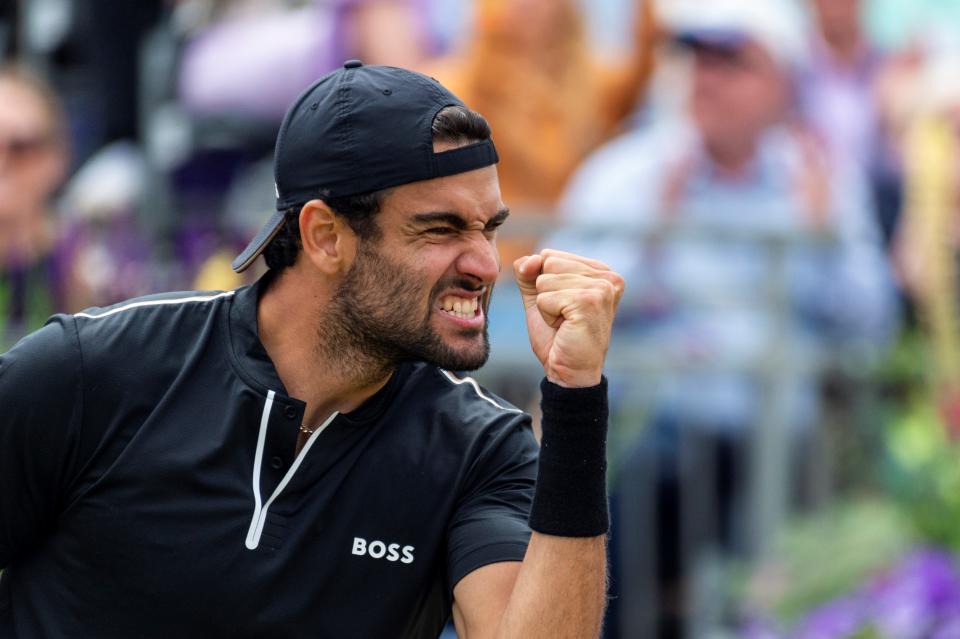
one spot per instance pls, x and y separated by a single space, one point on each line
778 180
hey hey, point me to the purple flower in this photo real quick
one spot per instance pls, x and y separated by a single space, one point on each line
918 598
835 620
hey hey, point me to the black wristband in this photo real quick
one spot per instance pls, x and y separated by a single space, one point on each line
571 494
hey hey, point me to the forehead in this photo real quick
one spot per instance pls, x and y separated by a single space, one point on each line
836 6
21 109
474 195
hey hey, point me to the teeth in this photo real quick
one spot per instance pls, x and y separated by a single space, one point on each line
460 307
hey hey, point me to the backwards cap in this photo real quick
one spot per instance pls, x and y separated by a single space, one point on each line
361 129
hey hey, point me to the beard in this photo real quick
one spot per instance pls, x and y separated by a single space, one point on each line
374 321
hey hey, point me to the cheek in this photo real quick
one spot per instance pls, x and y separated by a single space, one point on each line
741 100
712 93
712 109
24 187
412 281
435 261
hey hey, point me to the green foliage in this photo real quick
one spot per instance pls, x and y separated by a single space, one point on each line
923 474
921 468
823 556
820 557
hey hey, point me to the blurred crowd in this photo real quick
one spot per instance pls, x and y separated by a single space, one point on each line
778 180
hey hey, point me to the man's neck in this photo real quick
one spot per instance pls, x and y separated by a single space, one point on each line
847 48
313 364
731 161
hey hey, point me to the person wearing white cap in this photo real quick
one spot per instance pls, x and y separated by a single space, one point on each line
775 25
732 162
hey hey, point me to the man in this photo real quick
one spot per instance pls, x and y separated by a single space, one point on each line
34 155
838 96
718 207
291 459
838 83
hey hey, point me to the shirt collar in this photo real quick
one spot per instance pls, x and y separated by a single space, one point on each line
245 337
255 362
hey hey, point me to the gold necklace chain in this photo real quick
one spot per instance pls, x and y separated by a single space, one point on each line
305 429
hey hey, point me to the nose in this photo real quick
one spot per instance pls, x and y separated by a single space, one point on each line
480 260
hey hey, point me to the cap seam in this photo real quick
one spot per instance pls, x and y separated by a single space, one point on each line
346 122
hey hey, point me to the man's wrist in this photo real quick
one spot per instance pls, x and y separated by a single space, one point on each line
571 496
575 380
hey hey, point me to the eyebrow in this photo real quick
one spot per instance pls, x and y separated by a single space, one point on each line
456 220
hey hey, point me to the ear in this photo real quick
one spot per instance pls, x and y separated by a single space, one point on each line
328 241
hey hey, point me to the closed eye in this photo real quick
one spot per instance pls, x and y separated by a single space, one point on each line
493 225
446 224
496 221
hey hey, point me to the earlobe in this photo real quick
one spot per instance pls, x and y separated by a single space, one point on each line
327 241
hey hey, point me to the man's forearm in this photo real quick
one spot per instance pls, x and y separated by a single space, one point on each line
560 590
561 586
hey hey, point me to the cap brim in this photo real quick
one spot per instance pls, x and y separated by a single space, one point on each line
712 38
259 242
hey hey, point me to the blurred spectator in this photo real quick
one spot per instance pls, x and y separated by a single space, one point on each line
34 278
252 58
529 69
62 253
698 209
838 99
243 62
836 89
89 51
107 40
928 245
113 257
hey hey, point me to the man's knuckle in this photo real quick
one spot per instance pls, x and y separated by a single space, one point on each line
605 288
548 254
594 296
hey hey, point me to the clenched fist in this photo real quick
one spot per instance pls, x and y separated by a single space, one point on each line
570 302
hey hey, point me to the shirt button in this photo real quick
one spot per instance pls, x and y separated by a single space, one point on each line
291 412
277 462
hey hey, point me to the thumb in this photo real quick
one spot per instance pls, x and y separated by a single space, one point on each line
526 270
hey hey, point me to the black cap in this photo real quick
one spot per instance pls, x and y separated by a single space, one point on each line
361 129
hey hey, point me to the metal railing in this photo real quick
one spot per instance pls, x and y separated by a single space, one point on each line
776 368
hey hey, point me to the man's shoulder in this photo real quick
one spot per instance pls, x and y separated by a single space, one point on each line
168 303
461 397
47 356
654 140
460 422
158 325
625 171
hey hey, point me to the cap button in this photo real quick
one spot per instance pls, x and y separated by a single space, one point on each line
352 64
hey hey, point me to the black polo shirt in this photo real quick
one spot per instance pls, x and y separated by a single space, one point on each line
149 487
